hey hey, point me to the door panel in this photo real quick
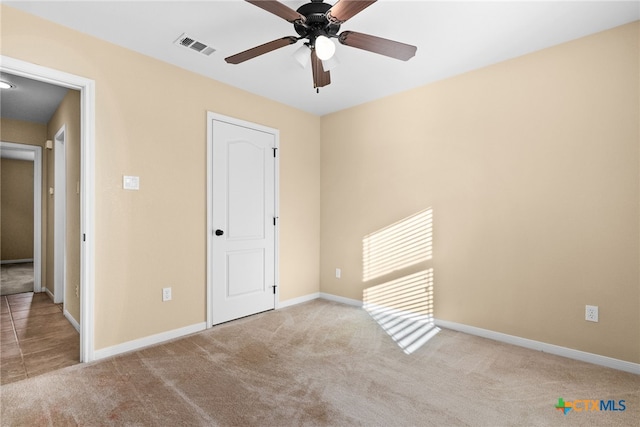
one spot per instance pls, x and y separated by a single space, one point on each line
242 280
243 210
245 190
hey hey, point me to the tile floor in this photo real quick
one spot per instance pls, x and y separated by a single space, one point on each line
16 278
35 337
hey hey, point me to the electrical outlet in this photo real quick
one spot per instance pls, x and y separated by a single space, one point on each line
591 313
166 294
338 273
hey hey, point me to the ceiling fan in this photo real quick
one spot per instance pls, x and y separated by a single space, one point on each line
318 22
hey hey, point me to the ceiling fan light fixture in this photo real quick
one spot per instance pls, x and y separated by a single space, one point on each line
318 22
324 48
331 63
302 55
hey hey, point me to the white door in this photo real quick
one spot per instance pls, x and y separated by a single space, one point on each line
243 220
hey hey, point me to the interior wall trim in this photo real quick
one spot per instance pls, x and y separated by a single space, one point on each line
569 353
343 300
71 320
299 300
148 341
583 356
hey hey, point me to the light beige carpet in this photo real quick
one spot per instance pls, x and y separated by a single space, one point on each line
16 278
321 363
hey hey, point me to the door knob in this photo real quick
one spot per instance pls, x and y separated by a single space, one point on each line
219 232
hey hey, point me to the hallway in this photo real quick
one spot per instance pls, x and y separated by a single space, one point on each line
16 278
35 337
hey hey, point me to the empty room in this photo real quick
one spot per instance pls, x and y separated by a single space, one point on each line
323 213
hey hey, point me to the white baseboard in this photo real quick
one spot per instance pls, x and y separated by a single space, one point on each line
595 359
72 320
177 333
147 341
316 295
343 300
570 353
48 292
16 261
299 300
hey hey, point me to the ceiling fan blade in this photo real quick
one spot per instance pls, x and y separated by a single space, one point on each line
260 50
278 9
321 77
379 45
346 9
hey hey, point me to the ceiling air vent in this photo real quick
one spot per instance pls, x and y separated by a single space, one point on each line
193 44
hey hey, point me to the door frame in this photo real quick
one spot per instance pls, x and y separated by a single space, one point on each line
211 116
87 189
59 215
37 206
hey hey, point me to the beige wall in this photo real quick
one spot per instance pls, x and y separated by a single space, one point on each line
151 122
21 132
16 236
531 167
68 115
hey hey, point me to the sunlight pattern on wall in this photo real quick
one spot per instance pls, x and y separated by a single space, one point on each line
400 245
404 309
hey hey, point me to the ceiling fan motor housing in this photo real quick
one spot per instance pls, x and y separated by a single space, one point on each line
316 22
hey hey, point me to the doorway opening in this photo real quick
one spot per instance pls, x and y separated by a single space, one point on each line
86 87
25 159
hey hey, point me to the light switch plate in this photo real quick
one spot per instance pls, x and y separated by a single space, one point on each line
131 182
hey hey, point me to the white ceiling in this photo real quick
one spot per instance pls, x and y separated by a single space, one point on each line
29 100
452 37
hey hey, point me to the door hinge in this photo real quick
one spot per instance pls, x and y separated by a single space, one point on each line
274 289
274 151
275 219
84 237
